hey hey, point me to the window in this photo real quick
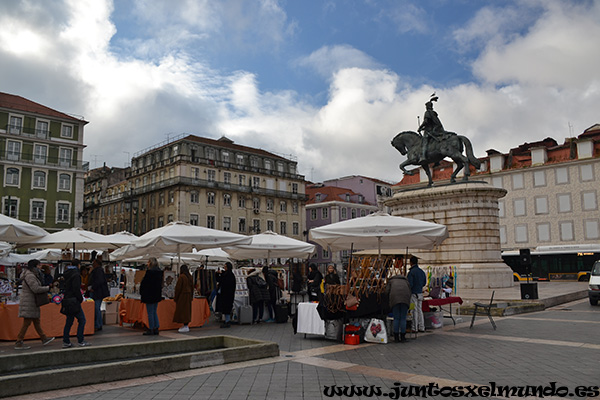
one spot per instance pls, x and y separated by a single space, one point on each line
241 201
242 180
64 182
16 124
227 224
521 233
211 175
256 182
295 228
313 214
13 150
256 204
151 224
586 173
501 212
210 198
344 212
517 181
294 188
210 221
502 234
294 207
270 205
292 169
280 166
588 201
227 200
271 225
363 213
591 229
63 212
37 210
195 173
227 177
152 200
169 218
543 232
324 212
210 153
161 221
40 153
353 213
497 182
325 253
194 197
539 178
194 219
256 225
161 199
541 205
268 165
67 131
171 196
65 156
12 176
242 225
10 207
283 228
564 202
239 159
562 175
254 162
39 180
41 129
566 230
283 206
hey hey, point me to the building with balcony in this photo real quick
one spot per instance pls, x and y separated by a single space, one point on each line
552 197
41 169
374 191
327 205
213 183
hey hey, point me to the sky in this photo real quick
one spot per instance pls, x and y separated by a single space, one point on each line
328 83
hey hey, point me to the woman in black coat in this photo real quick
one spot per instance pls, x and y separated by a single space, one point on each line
151 294
314 280
258 294
226 293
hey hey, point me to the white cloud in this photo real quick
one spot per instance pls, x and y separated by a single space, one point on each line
328 60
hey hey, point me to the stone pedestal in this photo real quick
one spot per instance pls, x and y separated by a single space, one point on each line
470 211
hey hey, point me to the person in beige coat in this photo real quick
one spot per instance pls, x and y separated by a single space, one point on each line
27 308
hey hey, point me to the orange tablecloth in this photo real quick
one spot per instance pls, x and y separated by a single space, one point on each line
132 310
53 322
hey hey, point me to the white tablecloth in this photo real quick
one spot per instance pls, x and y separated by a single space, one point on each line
309 320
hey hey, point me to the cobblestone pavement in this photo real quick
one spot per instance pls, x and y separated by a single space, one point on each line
558 345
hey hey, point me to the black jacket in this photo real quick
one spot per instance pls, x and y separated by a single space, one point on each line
98 283
151 286
72 283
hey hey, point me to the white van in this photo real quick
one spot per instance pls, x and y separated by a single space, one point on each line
594 288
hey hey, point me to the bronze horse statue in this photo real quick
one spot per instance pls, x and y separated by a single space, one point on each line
449 144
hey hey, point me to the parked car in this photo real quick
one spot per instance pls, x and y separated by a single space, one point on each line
594 288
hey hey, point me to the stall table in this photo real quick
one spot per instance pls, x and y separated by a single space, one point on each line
52 321
133 310
427 303
309 320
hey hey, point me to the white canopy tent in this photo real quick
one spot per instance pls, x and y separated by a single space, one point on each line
74 238
16 231
271 245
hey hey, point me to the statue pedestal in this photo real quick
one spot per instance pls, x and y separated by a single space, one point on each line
470 212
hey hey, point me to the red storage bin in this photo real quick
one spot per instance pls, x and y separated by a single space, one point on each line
352 339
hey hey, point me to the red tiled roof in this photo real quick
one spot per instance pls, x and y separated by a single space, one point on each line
329 193
19 103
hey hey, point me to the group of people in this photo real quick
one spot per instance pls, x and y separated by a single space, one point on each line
263 290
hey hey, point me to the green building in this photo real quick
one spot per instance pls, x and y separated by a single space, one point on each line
41 169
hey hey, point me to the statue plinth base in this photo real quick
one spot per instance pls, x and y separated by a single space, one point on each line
470 212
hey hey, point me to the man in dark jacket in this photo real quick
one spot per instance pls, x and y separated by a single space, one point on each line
417 280
226 293
151 294
72 305
98 287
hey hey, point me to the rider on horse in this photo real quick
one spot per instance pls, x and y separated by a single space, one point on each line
432 127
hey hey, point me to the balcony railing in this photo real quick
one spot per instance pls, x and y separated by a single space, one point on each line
29 132
38 160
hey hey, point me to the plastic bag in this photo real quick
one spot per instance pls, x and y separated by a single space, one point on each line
376 332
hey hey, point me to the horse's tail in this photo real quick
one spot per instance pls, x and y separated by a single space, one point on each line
474 161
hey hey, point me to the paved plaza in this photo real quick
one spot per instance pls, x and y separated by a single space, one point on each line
558 345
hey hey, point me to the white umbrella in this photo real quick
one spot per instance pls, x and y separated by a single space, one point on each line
178 237
122 237
269 244
75 238
16 231
42 255
216 254
5 248
379 231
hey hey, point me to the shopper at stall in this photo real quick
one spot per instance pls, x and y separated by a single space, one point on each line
226 293
399 295
48 278
417 280
314 280
150 293
98 289
332 277
272 280
184 295
28 310
297 280
258 294
85 278
71 305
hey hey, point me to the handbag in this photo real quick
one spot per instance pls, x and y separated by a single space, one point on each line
41 299
70 306
351 302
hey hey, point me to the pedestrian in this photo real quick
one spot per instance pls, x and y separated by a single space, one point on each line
258 294
28 310
48 278
314 280
332 277
226 293
98 288
71 305
417 280
151 294
184 295
272 280
399 295
297 280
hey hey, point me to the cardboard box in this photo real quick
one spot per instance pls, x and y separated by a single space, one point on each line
111 318
112 306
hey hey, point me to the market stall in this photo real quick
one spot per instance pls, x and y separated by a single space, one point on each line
134 311
51 319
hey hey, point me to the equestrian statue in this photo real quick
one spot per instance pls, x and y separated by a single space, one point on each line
434 145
